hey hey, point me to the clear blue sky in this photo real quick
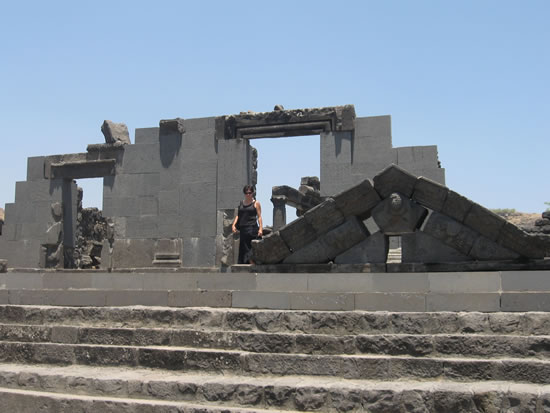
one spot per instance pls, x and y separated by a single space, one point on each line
471 77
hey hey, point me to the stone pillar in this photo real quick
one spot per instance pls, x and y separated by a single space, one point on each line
279 212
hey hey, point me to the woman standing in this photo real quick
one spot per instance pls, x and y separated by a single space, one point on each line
249 222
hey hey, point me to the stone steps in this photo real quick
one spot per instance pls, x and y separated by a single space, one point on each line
365 366
282 321
153 389
136 359
432 345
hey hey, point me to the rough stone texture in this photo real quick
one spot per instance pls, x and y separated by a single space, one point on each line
324 217
485 249
484 221
331 244
421 247
374 249
513 238
270 250
394 179
298 233
115 132
357 200
450 232
456 206
430 194
3 265
398 215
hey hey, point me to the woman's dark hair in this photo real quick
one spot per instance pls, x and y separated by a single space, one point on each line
248 188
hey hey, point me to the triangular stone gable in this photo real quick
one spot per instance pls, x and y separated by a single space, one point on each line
401 204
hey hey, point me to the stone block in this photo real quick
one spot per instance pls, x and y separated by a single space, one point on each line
198 209
464 282
261 299
336 282
76 298
4 297
485 249
535 281
451 232
322 301
400 283
331 244
126 298
463 302
357 200
430 194
146 135
53 234
132 253
514 239
421 247
173 282
374 249
485 222
199 251
270 250
195 172
233 171
398 215
239 281
144 226
3 266
282 282
528 301
115 132
390 302
169 202
324 216
200 299
35 168
335 177
373 126
118 281
148 205
200 124
297 234
65 281
141 159
22 254
394 179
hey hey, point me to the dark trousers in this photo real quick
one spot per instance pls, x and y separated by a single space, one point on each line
248 233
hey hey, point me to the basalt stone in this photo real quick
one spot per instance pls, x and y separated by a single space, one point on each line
171 126
297 234
485 222
357 200
333 243
542 222
456 206
430 193
513 238
115 132
546 214
374 249
394 179
270 250
324 217
397 215
310 398
450 232
485 249
3 266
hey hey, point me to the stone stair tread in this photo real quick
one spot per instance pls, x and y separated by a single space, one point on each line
439 358
25 400
109 373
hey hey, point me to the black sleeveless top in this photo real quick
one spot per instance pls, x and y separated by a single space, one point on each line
247 214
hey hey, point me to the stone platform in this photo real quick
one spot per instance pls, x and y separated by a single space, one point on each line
487 291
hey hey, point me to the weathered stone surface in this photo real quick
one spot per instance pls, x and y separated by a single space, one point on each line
513 238
57 211
373 249
456 206
450 232
430 193
311 181
330 245
357 200
170 126
485 222
419 247
394 179
297 234
270 250
485 249
324 216
3 265
115 132
397 215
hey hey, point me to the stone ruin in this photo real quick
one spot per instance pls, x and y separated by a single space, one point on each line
168 198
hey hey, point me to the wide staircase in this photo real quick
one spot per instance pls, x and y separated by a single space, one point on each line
161 359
